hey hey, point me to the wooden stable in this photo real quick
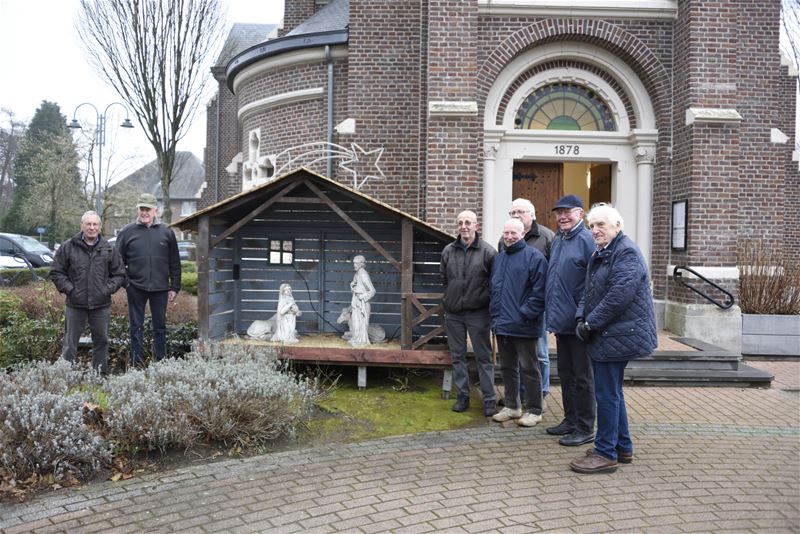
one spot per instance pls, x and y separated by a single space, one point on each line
304 229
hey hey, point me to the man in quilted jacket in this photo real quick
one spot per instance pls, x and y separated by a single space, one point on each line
88 271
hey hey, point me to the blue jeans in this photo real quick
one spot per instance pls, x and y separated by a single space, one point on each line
137 299
612 417
476 325
543 354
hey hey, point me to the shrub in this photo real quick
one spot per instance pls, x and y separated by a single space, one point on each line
22 277
189 283
769 281
42 431
242 396
27 340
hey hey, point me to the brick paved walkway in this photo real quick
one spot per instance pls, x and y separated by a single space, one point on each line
707 459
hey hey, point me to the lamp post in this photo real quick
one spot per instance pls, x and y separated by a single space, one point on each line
100 140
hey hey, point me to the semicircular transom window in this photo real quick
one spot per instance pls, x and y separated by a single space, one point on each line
564 106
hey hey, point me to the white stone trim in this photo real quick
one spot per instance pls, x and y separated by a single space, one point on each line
786 62
346 127
281 100
712 273
608 9
447 108
585 53
778 137
288 59
712 116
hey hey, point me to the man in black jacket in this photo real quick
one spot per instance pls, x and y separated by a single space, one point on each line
465 268
149 251
88 271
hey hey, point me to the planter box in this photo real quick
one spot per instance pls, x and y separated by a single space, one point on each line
771 335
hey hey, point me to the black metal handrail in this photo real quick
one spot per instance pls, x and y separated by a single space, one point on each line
679 278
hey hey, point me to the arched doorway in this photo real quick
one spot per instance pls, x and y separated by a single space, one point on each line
572 115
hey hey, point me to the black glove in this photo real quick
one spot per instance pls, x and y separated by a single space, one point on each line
583 331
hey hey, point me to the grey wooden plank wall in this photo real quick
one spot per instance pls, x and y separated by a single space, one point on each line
322 269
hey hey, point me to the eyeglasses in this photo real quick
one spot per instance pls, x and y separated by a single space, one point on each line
517 212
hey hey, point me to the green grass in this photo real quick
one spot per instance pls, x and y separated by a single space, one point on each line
392 404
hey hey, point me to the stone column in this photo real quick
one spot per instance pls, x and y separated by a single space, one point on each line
645 159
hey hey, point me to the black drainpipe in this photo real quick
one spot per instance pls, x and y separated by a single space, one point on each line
329 59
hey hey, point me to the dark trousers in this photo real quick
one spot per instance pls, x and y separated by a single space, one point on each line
476 324
518 354
158 309
612 417
577 383
74 324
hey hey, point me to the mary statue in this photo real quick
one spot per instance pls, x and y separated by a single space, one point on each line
363 291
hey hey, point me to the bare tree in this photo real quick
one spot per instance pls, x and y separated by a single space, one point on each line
790 29
156 54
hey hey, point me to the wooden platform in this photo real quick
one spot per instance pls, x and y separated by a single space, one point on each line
332 349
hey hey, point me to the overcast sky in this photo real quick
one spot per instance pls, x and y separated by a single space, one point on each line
41 59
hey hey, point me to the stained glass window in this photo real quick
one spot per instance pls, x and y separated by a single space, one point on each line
564 106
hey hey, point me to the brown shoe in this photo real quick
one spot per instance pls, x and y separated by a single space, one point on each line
622 456
593 463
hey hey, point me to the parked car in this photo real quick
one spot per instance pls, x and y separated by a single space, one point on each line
34 251
186 250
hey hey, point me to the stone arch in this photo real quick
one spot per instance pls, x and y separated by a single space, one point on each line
596 32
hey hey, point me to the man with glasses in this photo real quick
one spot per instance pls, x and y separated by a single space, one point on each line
149 251
541 238
566 277
465 267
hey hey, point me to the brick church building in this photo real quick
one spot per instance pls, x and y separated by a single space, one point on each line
680 112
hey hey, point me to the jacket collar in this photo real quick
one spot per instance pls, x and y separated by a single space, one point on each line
474 243
533 232
575 231
516 247
608 249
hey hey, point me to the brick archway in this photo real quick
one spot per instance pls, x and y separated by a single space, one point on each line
597 32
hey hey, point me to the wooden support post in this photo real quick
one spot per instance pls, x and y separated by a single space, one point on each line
406 284
447 383
203 253
362 377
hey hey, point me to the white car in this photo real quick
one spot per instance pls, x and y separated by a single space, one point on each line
13 262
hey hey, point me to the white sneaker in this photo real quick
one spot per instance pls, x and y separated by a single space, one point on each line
505 414
529 419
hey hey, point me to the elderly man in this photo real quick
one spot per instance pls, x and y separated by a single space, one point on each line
517 303
465 267
539 237
150 253
88 271
566 277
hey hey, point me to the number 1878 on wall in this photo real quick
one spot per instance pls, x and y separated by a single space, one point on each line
567 150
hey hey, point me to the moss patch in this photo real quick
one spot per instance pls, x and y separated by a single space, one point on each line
392 404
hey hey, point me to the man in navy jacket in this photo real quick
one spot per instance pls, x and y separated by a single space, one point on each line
516 307
566 277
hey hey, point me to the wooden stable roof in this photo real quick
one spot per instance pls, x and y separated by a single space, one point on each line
232 208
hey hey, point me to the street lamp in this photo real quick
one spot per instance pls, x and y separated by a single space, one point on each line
100 140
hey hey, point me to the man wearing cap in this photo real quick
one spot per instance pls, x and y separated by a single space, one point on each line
570 253
541 238
149 251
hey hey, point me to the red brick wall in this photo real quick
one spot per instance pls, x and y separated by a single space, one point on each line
384 95
295 12
453 182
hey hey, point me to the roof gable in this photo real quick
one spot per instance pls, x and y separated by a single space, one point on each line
233 208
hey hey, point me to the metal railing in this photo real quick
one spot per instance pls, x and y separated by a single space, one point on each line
9 276
676 273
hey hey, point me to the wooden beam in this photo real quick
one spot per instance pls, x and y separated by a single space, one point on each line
300 200
429 312
360 231
430 335
361 356
406 283
202 251
252 215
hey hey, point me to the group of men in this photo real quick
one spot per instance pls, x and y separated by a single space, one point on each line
533 285
88 270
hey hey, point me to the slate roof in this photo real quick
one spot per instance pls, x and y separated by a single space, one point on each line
188 177
334 16
241 37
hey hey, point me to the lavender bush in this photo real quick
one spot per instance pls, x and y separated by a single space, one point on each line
42 431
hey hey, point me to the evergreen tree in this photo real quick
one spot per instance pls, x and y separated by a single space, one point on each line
47 130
